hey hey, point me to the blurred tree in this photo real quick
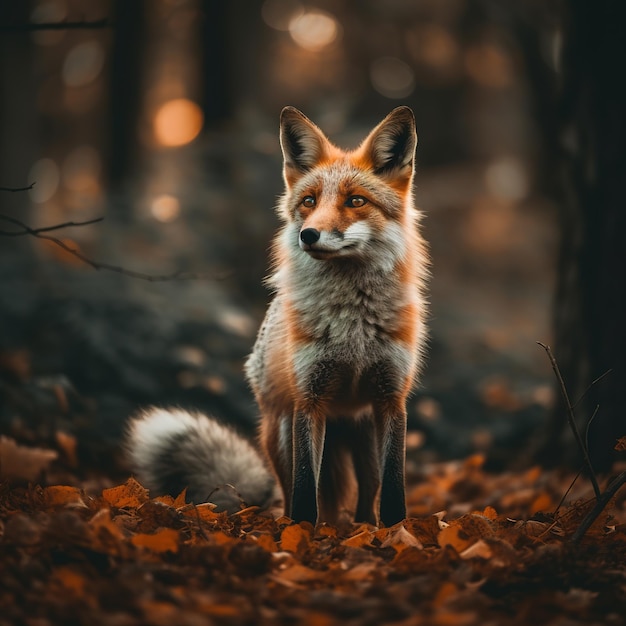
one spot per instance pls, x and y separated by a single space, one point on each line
591 292
125 88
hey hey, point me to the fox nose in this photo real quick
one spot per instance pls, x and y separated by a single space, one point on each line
309 236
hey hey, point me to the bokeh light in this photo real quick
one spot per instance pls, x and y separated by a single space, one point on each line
392 77
165 208
314 30
83 64
177 122
506 178
489 65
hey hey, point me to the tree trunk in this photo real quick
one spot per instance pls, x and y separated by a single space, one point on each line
590 327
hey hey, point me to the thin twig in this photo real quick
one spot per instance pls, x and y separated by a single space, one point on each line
588 427
15 189
572 420
567 492
38 232
27 230
77 25
601 502
595 382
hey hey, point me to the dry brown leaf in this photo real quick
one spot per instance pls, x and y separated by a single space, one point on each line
445 592
103 525
620 446
477 550
361 571
295 538
266 542
130 494
68 445
454 536
543 502
399 538
165 540
490 513
296 574
364 538
204 512
70 580
60 495
22 463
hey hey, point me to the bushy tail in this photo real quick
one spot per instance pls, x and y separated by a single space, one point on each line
170 449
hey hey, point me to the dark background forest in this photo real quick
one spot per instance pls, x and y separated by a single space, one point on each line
162 118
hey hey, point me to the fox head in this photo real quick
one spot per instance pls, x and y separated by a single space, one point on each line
342 204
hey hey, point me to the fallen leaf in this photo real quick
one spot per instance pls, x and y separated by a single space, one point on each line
295 538
130 494
454 536
70 580
22 463
479 549
165 540
60 495
399 538
364 538
266 542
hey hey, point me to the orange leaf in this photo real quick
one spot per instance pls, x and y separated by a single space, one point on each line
325 530
72 581
456 537
130 494
295 538
543 502
364 538
60 495
490 513
266 542
221 538
181 499
165 540
444 593
102 521
202 511
620 446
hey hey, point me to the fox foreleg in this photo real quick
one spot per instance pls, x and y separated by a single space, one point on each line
392 440
309 432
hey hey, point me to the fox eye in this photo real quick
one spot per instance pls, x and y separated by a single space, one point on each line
355 202
308 202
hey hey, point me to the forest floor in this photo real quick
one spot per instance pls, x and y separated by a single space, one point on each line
82 543
477 548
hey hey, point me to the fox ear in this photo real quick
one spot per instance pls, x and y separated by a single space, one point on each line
390 147
303 144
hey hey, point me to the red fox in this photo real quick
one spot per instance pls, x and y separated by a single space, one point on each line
342 342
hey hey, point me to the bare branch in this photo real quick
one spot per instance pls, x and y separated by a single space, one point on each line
15 189
595 382
602 501
572 420
39 234
37 26
26 230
